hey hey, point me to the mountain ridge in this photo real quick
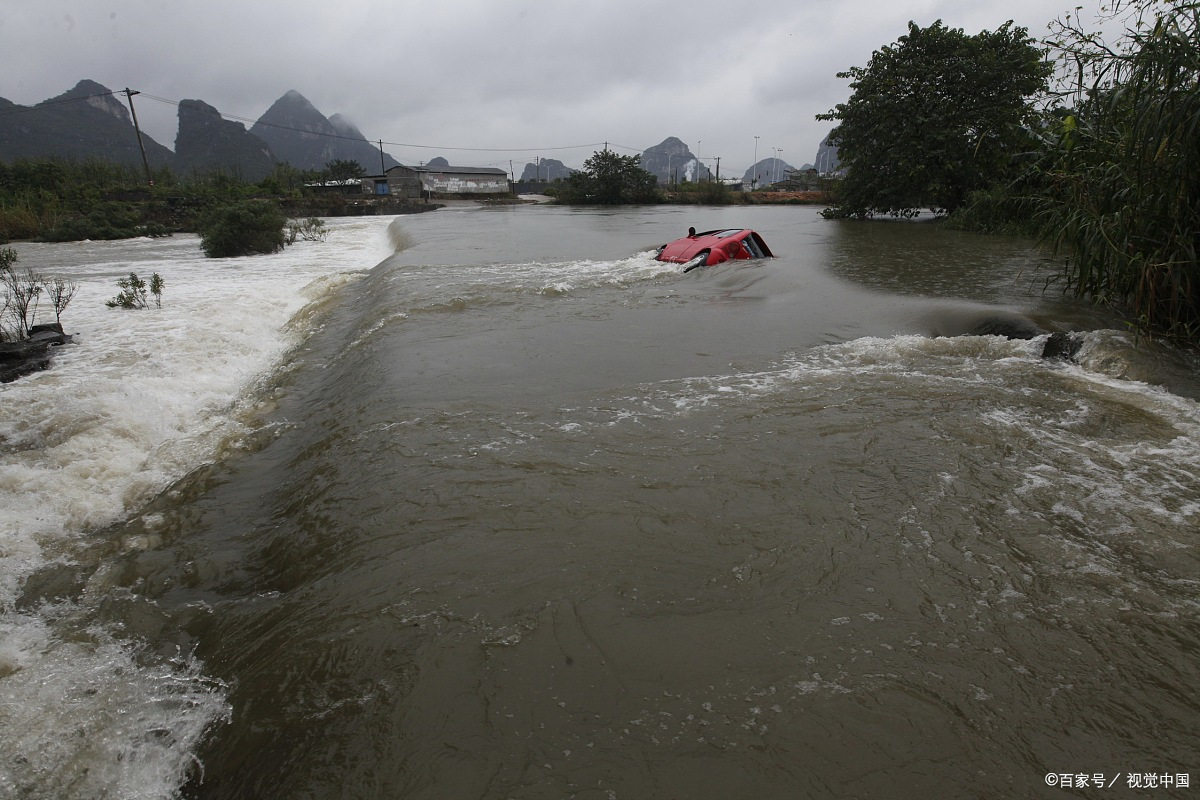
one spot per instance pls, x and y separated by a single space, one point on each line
90 121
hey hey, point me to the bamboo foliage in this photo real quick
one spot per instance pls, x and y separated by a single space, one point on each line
1122 189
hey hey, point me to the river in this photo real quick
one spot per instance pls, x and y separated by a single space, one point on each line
487 503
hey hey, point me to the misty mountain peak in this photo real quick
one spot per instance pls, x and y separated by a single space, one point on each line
345 127
301 135
207 141
295 98
97 96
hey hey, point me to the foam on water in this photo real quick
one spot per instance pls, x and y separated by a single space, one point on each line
147 396
1107 469
140 399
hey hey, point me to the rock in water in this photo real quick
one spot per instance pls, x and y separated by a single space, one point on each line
32 354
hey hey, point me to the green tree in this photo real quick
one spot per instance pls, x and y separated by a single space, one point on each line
1120 192
933 117
285 180
610 179
342 169
243 228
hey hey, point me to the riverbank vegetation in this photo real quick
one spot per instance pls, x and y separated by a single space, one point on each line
247 227
935 117
23 291
56 200
1103 163
609 179
134 292
1118 195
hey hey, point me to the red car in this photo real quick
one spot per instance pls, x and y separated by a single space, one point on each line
712 247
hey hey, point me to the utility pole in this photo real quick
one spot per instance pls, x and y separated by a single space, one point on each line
718 169
382 168
129 93
754 180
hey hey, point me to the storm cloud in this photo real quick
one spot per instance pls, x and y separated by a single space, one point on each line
482 82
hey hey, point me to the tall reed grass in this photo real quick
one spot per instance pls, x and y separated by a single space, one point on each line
1121 195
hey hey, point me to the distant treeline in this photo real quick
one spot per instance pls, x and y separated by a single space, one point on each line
57 200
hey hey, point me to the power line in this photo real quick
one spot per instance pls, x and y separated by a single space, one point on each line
236 118
42 106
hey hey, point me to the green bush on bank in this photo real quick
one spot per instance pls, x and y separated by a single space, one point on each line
999 210
106 221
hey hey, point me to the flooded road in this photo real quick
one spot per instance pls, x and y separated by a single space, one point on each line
529 514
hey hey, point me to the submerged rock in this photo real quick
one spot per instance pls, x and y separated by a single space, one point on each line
30 355
1062 346
1010 327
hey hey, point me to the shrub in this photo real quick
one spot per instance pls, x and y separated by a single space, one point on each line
713 193
1120 199
610 179
61 292
22 293
244 228
134 291
17 222
310 230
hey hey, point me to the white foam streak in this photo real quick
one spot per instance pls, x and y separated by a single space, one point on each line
85 719
140 399
144 396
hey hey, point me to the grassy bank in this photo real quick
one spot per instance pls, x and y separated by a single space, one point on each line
56 200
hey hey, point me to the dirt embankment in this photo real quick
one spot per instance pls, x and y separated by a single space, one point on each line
811 196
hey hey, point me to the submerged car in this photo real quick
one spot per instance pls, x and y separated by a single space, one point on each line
713 247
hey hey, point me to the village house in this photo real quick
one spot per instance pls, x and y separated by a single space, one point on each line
426 181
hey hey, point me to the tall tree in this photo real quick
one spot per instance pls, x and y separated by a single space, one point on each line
610 179
344 169
933 117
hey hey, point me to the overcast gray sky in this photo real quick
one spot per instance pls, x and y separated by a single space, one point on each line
481 82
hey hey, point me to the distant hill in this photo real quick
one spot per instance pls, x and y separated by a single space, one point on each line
88 121
826 160
768 171
546 169
206 141
673 155
348 129
91 121
301 135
